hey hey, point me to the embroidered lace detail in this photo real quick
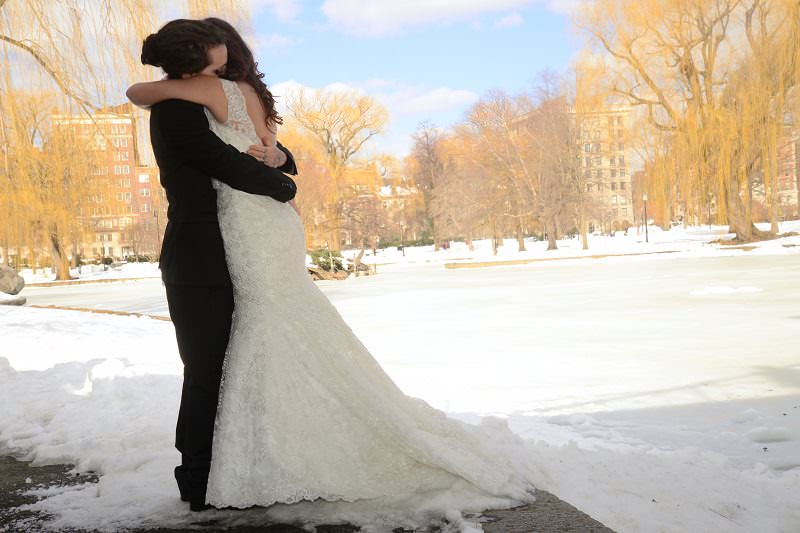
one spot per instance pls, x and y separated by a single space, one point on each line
306 414
238 119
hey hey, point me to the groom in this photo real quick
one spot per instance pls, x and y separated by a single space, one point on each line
193 266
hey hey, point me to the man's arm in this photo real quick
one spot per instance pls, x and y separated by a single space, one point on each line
289 167
185 131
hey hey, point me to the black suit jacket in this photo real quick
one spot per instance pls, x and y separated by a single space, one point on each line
188 156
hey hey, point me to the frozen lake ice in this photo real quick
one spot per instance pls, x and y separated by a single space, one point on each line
654 379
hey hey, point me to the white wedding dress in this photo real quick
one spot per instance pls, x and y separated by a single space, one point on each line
307 415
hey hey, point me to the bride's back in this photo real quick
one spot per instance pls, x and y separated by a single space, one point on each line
239 129
255 110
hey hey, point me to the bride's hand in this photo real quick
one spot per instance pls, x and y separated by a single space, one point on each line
294 206
271 156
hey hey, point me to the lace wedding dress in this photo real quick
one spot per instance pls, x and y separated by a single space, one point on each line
307 415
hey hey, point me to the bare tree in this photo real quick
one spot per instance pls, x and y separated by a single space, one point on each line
426 166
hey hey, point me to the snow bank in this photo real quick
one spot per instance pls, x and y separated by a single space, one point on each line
90 272
695 241
649 397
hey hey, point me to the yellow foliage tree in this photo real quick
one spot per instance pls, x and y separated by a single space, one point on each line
714 75
87 52
341 122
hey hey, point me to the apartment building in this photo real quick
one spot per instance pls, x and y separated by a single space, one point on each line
125 213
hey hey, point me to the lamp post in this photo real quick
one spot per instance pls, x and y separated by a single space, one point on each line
646 236
403 238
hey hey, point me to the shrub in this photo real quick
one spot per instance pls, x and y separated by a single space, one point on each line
322 258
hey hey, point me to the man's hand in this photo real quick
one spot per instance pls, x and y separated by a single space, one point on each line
271 156
182 128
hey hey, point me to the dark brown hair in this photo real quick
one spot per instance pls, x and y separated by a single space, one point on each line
181 46
243 67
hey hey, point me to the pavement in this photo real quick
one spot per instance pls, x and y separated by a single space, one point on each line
547 515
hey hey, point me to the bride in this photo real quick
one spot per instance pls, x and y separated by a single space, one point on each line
306 415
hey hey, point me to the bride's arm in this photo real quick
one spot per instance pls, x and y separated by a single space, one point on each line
203 90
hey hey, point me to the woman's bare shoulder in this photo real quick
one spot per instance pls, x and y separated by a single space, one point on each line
253 100
246 88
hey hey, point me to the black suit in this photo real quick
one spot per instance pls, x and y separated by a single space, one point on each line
193 266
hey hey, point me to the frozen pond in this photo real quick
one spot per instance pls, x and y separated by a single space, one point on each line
669 325
658 393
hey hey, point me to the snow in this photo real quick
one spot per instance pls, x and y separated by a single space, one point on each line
678 241
10 299
658 393
94 272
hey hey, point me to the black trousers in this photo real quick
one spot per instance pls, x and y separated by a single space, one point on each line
202 320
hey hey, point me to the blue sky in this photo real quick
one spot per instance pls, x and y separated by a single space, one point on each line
426 60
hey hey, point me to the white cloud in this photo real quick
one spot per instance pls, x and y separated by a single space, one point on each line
368 17
283 90
566 7
400 100
286 89
407 106
509 21
339 86
284 10
412 101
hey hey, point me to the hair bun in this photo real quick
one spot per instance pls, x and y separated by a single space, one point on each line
151 50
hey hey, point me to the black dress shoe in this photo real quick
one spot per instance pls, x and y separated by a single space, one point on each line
199 505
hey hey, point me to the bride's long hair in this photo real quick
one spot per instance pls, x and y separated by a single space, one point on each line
243 67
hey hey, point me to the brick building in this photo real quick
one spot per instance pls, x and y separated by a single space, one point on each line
126 212
789 173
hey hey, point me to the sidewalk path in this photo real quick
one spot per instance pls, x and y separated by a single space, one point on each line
547 515
507 262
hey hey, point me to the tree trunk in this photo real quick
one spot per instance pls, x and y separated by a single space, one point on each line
550 228
468 241
739 216
748 206
333 240
357 259
773 205
494 237
60 258
583 227
584 232
16 257
520 236
773 218
75 258
769 157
